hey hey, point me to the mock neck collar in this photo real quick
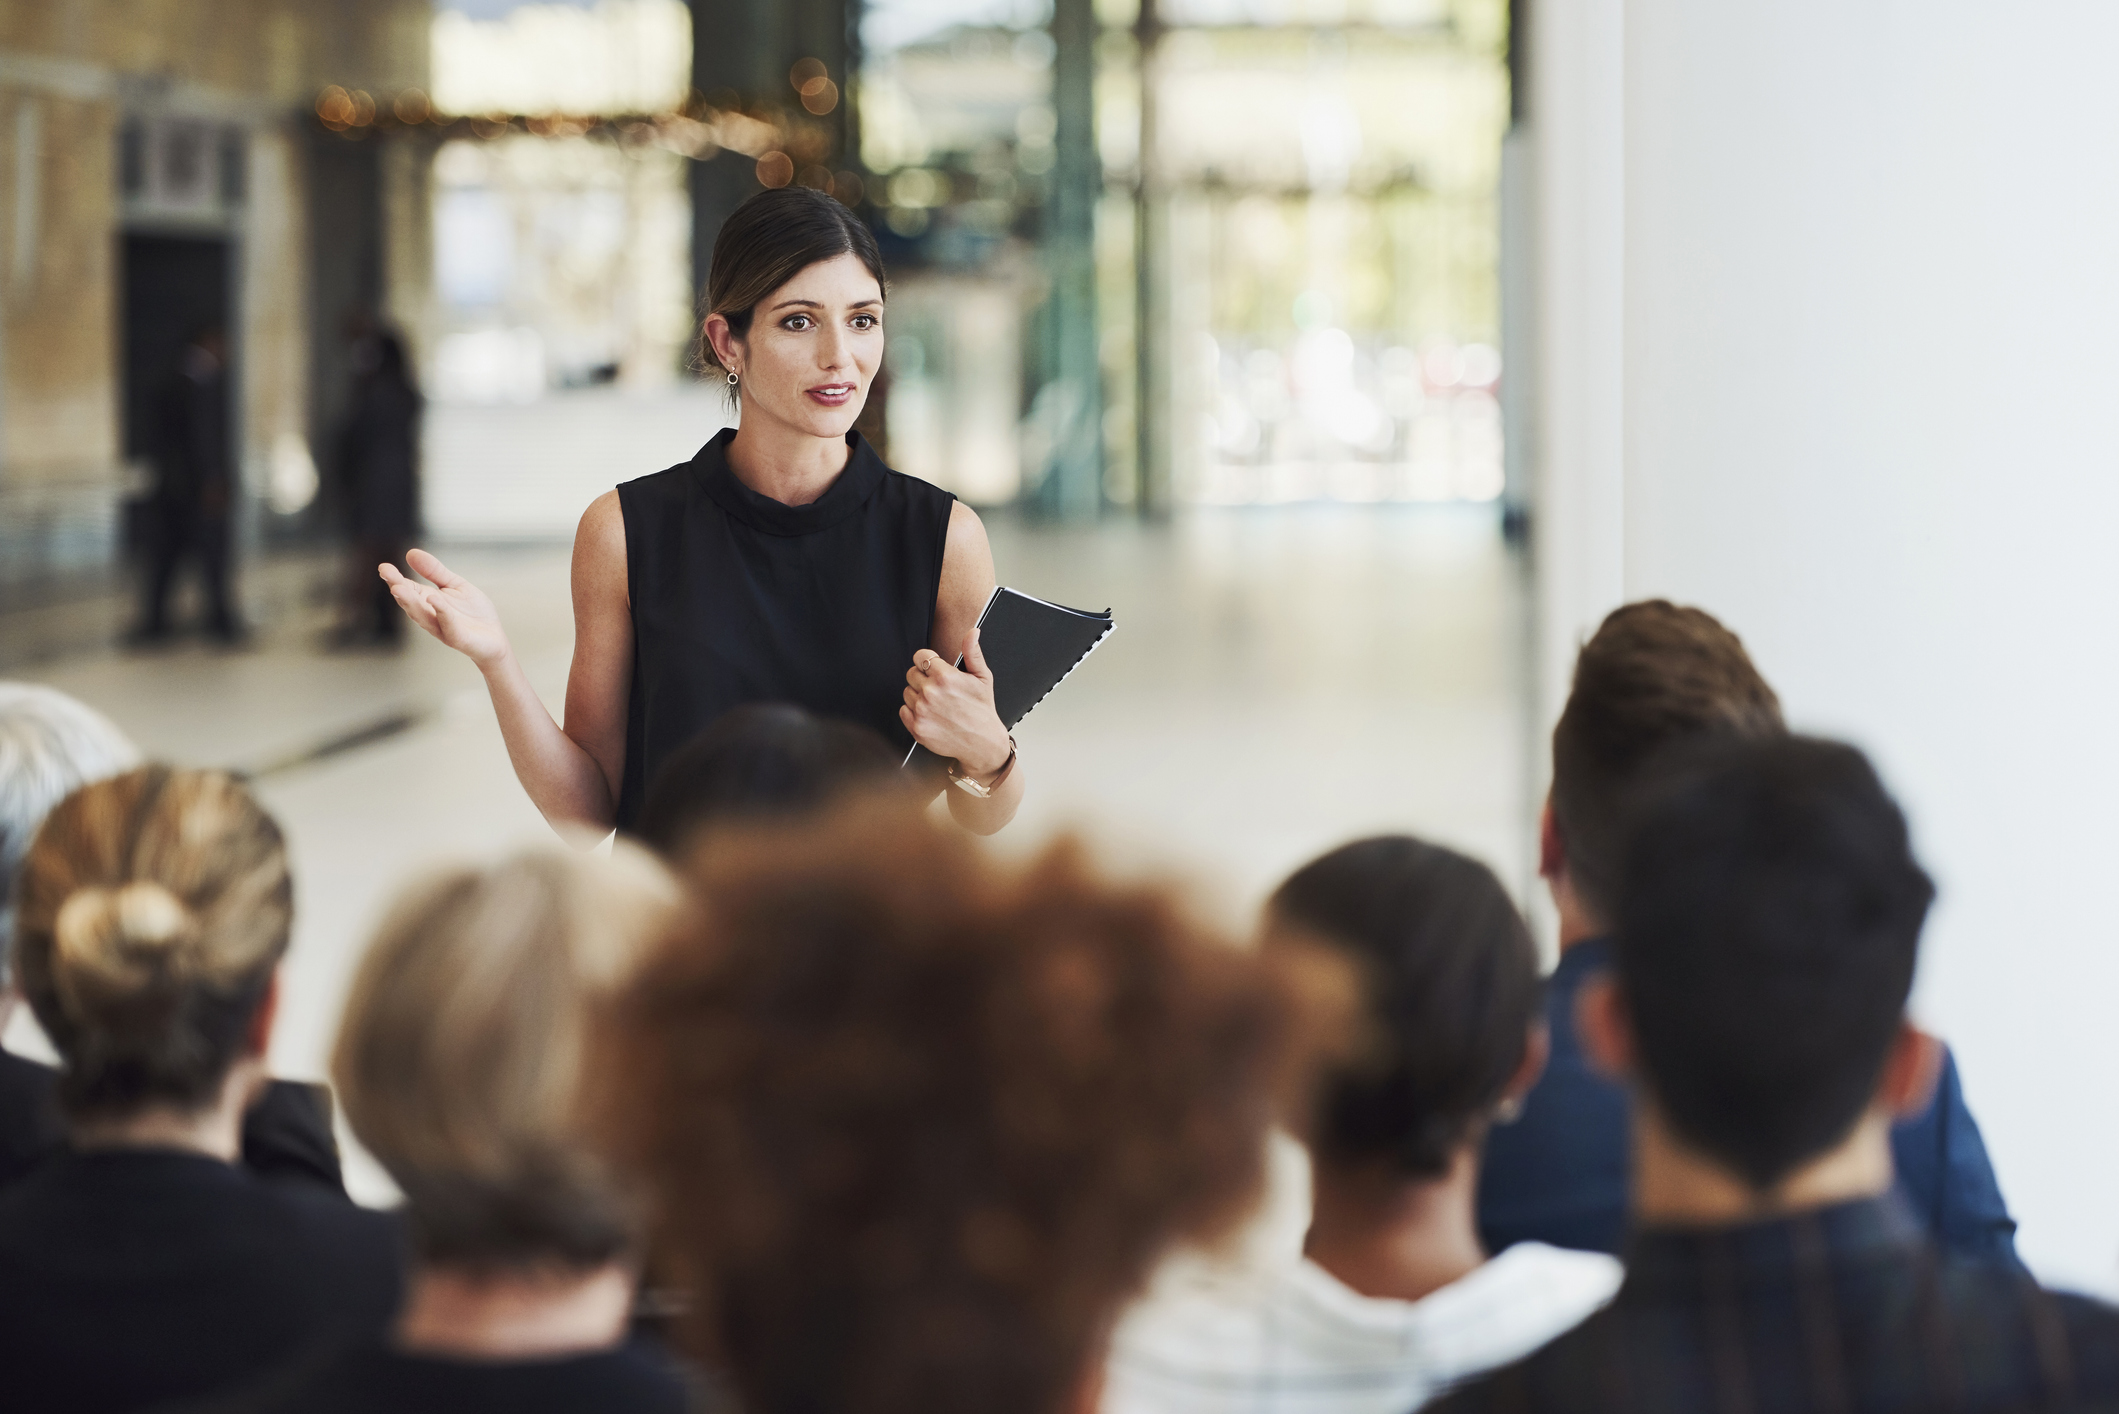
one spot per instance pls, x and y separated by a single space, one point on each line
843 498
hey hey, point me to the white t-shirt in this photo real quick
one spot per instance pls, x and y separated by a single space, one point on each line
1290 1338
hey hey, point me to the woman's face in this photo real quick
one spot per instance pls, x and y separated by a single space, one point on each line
813 348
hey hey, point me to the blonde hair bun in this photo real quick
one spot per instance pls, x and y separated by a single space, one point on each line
114 942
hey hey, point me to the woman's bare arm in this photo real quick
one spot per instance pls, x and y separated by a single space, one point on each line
572 775
949 712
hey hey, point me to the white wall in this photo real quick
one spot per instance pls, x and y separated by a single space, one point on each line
1866 324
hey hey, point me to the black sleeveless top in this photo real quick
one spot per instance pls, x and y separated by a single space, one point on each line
738 598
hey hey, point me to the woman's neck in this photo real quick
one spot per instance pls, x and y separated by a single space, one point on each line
1385 1236
783 462
215 1129
518 1314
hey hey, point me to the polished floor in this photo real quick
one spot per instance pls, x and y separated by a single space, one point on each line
1280 680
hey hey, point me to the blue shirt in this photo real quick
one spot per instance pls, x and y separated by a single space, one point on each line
1559 1173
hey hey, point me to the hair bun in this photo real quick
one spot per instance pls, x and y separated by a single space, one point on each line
114 944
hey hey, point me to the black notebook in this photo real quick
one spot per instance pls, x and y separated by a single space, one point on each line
1030 645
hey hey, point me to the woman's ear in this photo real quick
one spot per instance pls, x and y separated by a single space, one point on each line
726 346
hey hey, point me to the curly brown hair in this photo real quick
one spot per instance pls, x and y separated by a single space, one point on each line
917 1123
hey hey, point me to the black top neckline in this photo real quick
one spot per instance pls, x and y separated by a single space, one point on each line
843 498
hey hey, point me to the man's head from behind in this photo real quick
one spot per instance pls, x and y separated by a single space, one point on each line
1654 674
1768 916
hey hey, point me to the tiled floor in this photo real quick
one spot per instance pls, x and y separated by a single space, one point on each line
1279 681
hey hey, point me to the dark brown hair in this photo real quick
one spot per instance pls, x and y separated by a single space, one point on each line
1768 925
767 241
151 911
760 761
1654 674
918 1124
1450 988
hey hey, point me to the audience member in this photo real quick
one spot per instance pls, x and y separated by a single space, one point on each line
1653 675
917 1125
1394 1299
142 1264
49 745
460 1061
1768 914
762 761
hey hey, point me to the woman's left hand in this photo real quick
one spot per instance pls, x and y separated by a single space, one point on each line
950 711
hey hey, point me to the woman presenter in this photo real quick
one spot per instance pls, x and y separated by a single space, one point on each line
783 563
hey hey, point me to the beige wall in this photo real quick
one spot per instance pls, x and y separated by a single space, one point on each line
69 70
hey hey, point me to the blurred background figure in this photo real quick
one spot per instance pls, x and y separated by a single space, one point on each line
191 508
378 467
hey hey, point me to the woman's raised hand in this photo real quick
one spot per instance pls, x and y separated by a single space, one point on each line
950 711
452 608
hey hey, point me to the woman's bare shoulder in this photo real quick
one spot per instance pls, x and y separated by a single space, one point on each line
599 545
967 533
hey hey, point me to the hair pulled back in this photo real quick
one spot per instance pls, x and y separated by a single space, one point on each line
1450 989
767 241
150 913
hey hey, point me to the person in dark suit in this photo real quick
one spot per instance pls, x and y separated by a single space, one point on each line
462 1063
1767 917
378 460
193 503
1656 674
143 1264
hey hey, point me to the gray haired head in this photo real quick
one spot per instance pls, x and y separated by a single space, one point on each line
50 746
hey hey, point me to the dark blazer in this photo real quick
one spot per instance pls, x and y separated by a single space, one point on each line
371 1378
1848 1309
1559 1173
286 1134
146 1276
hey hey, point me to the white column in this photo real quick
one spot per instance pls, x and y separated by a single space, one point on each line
1577 158
1869 307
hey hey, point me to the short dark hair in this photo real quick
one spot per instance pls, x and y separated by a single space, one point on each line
1654 673
767 241
1769 918
761 761
919 1122
1450 985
